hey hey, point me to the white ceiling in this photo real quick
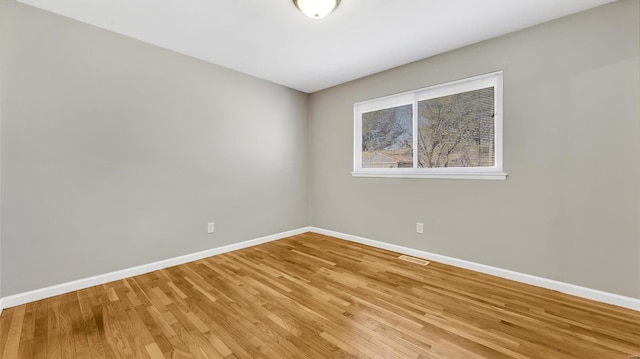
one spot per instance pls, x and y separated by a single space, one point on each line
273 40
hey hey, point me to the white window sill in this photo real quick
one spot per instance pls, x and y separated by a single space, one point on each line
452 175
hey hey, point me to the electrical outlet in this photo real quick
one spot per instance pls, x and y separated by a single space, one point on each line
419 228
211 227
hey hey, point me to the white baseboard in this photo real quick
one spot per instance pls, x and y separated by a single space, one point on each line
34 295
593 294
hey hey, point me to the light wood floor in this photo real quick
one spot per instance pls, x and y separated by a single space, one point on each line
312 296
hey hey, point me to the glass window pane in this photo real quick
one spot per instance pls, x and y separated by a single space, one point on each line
457 130
387 140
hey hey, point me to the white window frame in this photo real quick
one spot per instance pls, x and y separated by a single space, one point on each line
495 172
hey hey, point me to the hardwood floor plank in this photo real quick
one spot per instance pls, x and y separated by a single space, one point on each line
13 333
87 325
105 348
66 326
40 329
5 323
54 342
80 336
195 342
313 296
115 336
136 333
154 351
26 349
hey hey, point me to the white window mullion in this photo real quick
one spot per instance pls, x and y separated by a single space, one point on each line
415 132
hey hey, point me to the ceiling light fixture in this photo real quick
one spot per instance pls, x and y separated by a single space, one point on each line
316 9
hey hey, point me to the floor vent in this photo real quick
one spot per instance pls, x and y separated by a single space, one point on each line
415 260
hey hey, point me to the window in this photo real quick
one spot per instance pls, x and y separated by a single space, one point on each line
452 130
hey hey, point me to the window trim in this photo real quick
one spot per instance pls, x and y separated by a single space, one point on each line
494 79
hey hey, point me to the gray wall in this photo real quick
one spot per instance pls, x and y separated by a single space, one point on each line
116 153
569 210
0 176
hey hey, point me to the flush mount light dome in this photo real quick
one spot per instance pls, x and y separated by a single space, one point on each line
316 9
